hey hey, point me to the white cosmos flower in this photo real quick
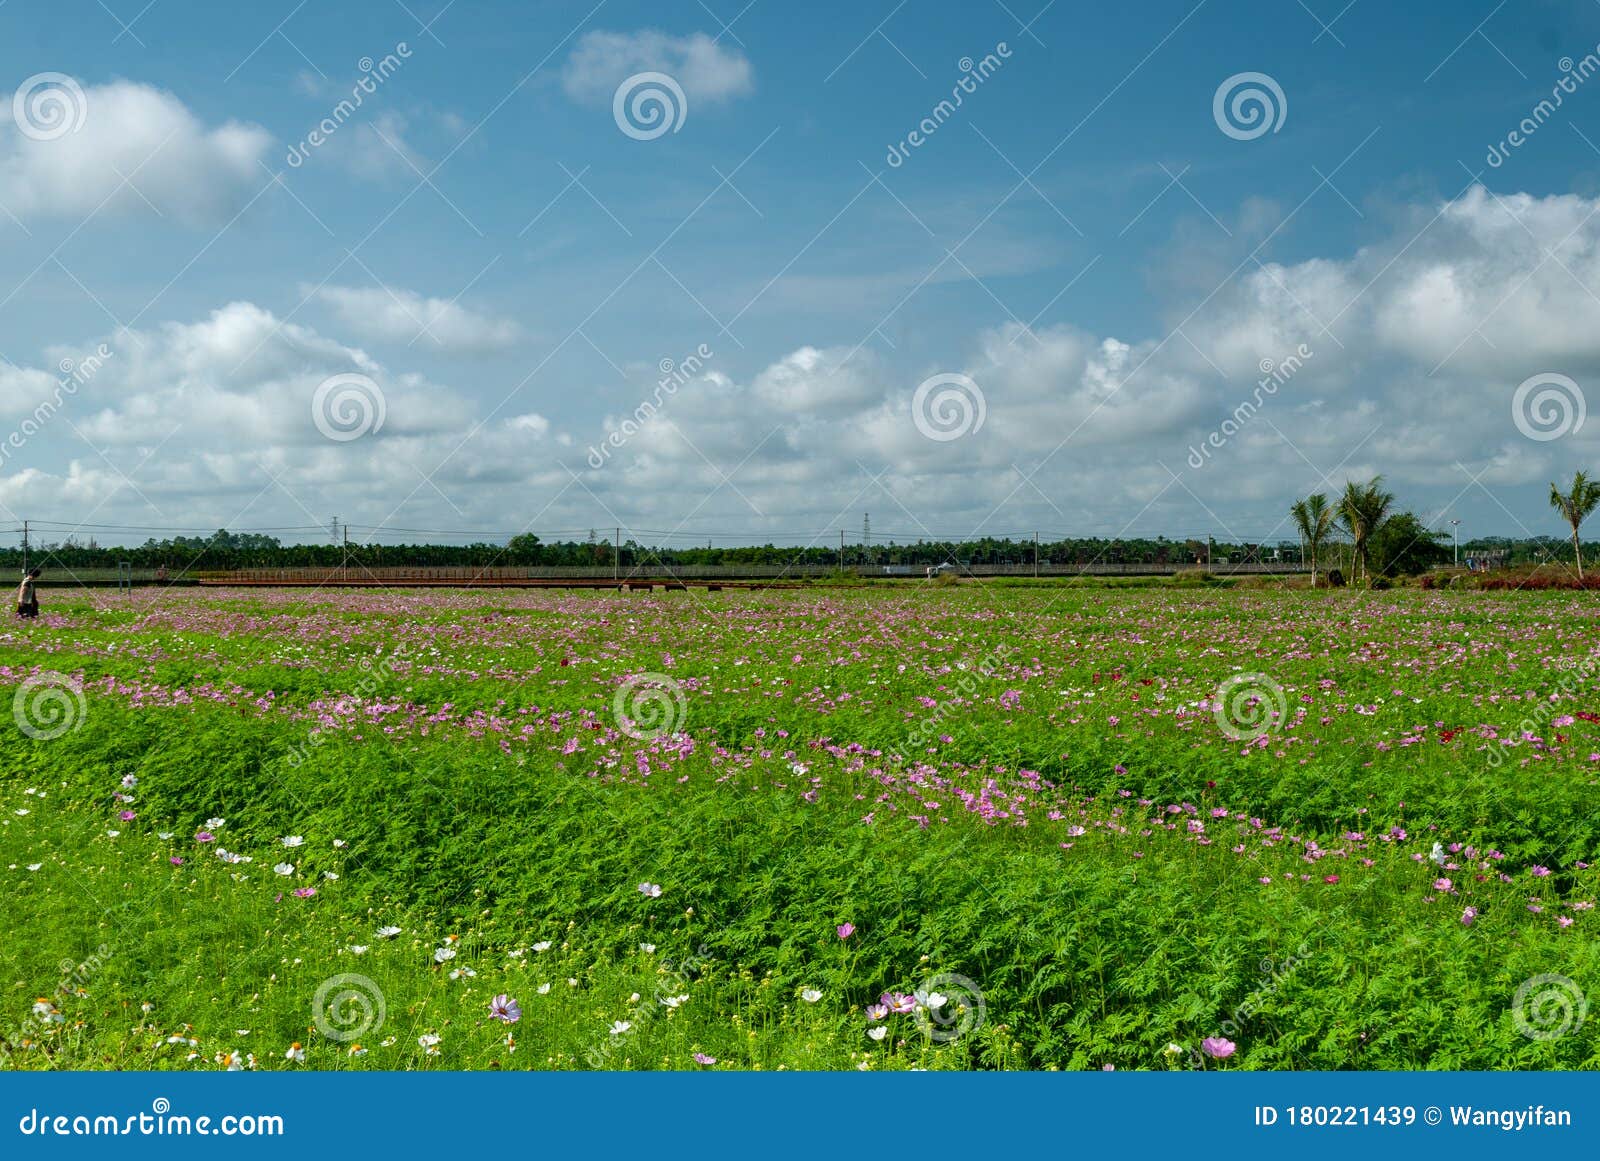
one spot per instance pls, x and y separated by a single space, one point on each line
292 840
163 835
649 890
811 995
216 823
388 932
648 948
878 1032
284 869
359 948
542 945
441 954
618 1027
544 989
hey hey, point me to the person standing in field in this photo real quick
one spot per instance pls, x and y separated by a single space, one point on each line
28 594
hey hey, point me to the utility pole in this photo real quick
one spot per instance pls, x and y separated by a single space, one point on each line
616 556
1035 556
1457 526
841 548
24 547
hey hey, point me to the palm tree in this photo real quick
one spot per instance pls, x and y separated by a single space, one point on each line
1574 506
1362 508
1315 520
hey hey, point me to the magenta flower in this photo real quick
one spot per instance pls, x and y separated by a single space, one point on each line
305 892
127 815
204 836
505 1009
1217 1047
176 860
846 930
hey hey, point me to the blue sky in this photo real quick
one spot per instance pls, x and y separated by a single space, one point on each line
1081 241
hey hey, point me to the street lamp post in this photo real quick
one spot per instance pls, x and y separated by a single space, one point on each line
1456 524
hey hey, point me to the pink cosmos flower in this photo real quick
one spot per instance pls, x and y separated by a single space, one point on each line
1469 916
846 930
127 815
305 892
1217 1047
204 836
1330 878
505 1009
877 1011
176 860
1564 920
702 1058
1443 885
1540 872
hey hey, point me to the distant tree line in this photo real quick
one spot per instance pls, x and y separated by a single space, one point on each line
1397 543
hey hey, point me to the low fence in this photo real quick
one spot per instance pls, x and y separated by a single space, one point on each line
462 575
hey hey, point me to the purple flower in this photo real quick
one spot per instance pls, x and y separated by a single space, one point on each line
176 860
1217 1047
1469 916
127 815
1540 872
505 1009
702 1058
204 836
846 930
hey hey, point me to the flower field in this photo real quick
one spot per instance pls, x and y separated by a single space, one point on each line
881 828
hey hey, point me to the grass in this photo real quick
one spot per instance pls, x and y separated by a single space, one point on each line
1020 799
